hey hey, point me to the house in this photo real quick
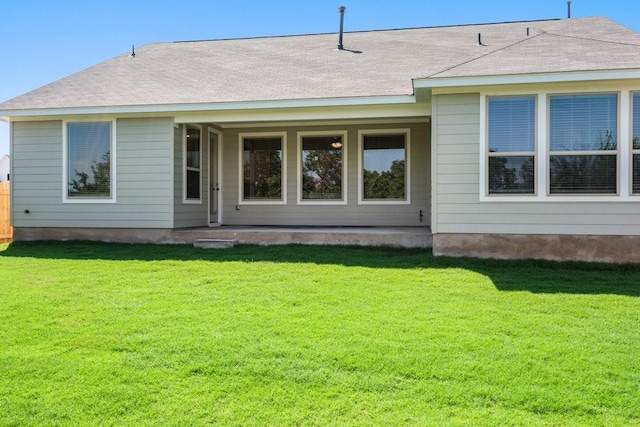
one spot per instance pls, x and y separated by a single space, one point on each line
508 140
5 168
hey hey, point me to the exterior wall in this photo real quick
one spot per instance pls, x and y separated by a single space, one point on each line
143 168
350 214
464 225
190 214
459 210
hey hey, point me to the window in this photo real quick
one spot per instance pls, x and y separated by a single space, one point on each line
88 161
511 145
192 161
384 166
262 167
635 143
321 166
583 144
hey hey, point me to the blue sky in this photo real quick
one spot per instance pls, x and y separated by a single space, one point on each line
45 40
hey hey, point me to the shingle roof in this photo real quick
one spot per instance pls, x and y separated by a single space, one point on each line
310 67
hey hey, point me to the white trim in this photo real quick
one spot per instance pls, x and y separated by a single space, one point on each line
283 179
11 179
407 173
558 77
624 143
218 194
542 120
215 106
434 165
112 160
344 180
484 160
185 168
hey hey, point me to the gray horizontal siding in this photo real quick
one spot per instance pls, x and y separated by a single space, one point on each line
350 214
459 210
190 214
143 165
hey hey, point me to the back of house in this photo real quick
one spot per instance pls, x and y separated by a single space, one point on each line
509 140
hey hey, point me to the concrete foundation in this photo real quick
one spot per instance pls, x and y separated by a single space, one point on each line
411 237
610 249
116 235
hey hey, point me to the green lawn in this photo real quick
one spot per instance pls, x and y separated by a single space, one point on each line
98 334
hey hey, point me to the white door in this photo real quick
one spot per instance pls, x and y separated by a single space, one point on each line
214 179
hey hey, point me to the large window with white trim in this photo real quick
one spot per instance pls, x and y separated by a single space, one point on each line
583 144
511 145
384 166
192 164
262 168
635 143
89 166
322 167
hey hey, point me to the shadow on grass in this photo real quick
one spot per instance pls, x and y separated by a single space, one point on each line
534 276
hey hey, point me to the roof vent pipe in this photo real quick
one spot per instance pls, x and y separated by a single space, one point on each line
341 10
568 10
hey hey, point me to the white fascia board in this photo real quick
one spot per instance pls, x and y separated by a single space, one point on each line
561 77
221 106
291 115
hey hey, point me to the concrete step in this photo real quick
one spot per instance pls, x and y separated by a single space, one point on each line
215 243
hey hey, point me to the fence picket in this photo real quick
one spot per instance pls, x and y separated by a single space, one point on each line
6 232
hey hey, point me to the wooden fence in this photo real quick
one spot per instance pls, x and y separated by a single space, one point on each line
6 232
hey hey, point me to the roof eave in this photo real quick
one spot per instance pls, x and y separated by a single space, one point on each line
513 79
214 106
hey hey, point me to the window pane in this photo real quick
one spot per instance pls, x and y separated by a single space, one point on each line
384 167
193 184
583 122
322 168
262 168
583 174
511 124
636 142
636 173
511 175
89 160
636 121
193 148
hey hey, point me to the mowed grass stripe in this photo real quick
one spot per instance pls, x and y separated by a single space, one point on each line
296 335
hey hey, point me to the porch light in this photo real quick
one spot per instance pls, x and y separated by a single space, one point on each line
337 143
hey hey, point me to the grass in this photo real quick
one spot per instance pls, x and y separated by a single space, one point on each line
106 334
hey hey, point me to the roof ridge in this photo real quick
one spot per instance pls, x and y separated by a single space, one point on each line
486 54
592 39
374 30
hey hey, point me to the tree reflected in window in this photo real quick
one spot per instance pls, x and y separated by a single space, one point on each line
384 161
322 168
89 160
262 168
